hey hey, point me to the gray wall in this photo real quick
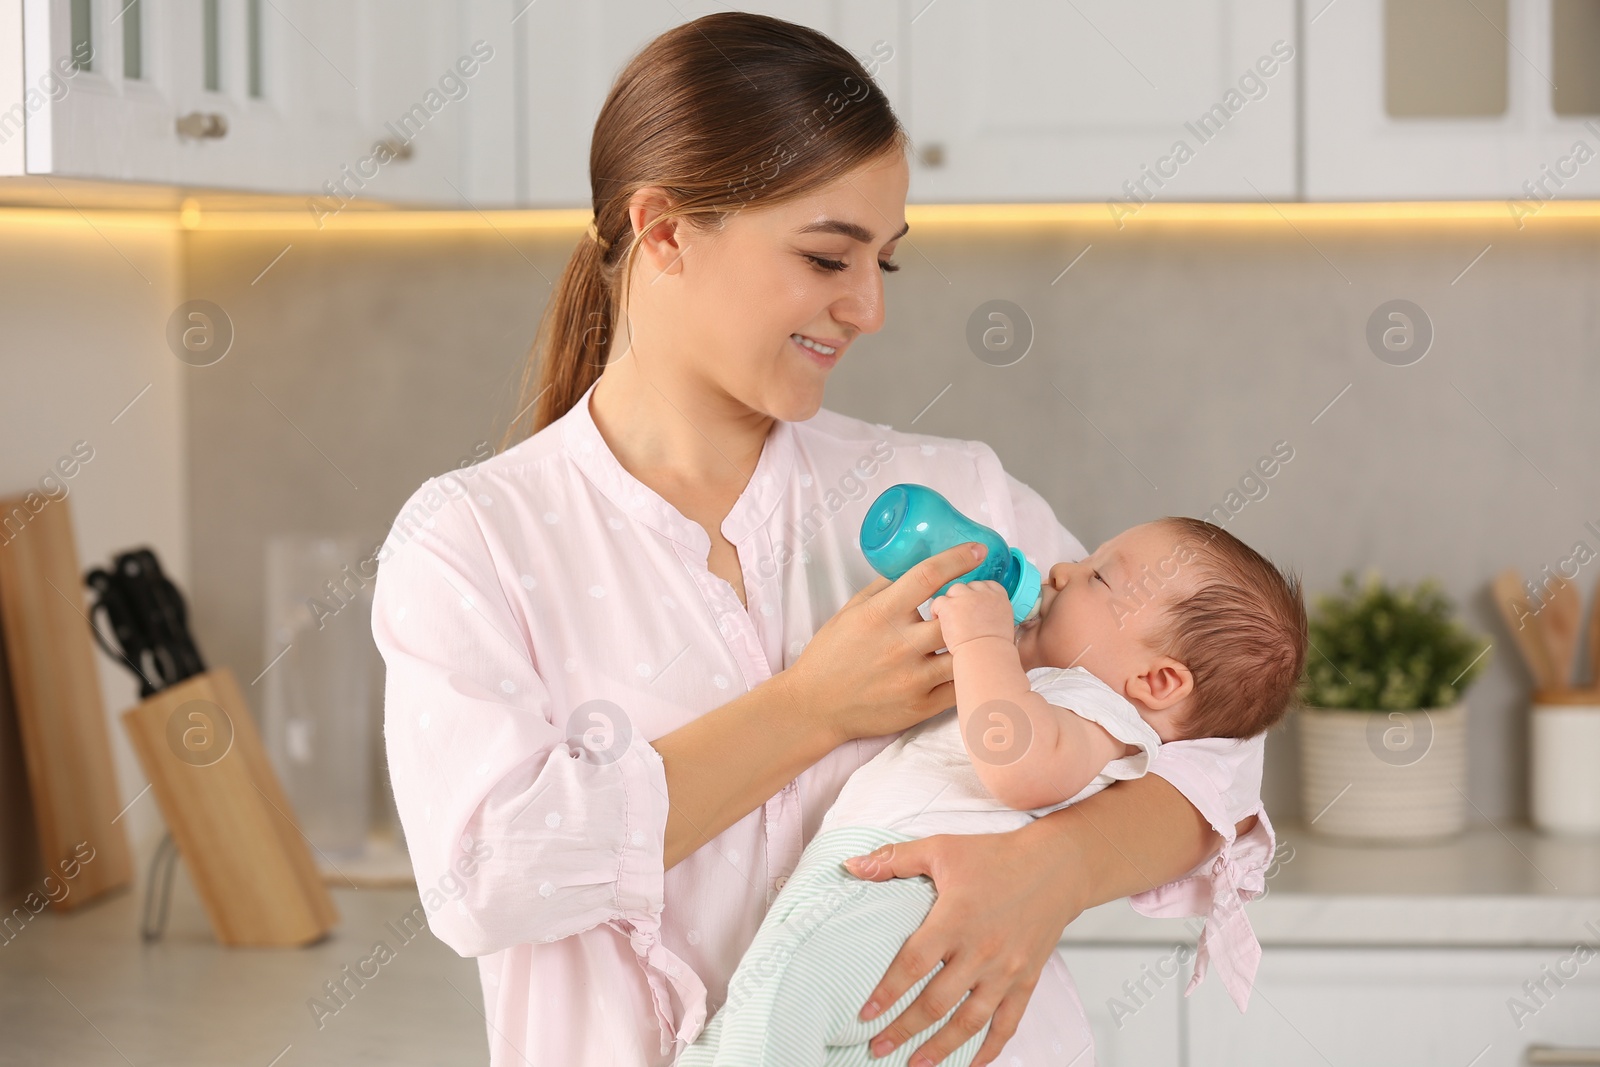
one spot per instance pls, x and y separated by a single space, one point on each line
1165 363
83 313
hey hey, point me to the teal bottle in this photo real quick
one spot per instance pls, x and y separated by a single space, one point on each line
909 522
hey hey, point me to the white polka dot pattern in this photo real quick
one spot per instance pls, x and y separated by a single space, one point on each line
545 618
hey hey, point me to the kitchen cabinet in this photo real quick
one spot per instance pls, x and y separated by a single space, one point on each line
1359 1004
1125 101
575 52
492 103
1020 100
1430 99
1132 995
1461 951
1486 1007
273 96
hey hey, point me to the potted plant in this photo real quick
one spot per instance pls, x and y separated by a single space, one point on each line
1382 725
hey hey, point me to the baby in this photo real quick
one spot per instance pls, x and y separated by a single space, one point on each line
1172 629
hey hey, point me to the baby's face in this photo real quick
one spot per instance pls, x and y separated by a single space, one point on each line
1098 612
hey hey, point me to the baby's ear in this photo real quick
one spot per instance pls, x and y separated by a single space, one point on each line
1165 683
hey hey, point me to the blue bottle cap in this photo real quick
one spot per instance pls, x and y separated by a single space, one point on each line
1027 592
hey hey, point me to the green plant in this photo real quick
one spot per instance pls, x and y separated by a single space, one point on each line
1381 648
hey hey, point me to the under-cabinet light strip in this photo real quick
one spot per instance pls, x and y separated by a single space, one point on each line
1514 214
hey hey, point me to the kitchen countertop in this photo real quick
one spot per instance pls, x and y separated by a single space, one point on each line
82 989
1491 887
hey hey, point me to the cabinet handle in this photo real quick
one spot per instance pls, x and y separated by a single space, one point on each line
932 155
202 124
398 149
1551 1056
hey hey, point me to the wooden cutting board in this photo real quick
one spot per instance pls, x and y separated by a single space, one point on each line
228 813
1594 640
55 692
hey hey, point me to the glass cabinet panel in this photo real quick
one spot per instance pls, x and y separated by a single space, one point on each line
1445 58
131 16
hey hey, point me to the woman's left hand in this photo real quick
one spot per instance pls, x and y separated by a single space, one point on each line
998 917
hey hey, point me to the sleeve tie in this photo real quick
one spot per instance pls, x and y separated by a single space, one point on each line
667 974
1227 936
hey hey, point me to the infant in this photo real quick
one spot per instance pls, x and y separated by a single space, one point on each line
1173 629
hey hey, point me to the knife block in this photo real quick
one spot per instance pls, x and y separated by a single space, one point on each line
229 815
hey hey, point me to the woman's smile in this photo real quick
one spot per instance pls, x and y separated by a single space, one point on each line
824 354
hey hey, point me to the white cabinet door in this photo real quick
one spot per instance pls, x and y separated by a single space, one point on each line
1356 150
272 96
576 50
1406 1007
1117 100
419 80
236 94
1133 999
309 89
282 76
489 117
94 90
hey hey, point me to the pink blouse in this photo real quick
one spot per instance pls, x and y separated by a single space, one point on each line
544 615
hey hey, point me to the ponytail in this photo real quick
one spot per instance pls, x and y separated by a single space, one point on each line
576 331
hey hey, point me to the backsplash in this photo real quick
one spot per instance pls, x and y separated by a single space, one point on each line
1171 365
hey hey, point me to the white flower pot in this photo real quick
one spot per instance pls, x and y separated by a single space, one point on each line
1384 775
1564 753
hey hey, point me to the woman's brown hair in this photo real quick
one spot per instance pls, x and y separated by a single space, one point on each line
732 109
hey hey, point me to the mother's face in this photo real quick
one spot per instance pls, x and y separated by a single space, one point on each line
724 307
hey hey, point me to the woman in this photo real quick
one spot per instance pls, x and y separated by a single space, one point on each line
631 664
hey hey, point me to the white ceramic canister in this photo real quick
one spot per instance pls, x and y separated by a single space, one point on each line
1564 761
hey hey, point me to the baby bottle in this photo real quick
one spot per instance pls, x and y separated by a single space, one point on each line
909 522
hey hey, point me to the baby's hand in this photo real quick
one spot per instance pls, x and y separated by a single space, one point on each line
974 609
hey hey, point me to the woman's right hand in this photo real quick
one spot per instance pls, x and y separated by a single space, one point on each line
873 668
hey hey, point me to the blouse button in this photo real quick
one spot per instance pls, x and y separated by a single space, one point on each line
782 881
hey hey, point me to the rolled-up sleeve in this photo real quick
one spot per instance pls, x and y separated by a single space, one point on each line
520 831
1221 777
